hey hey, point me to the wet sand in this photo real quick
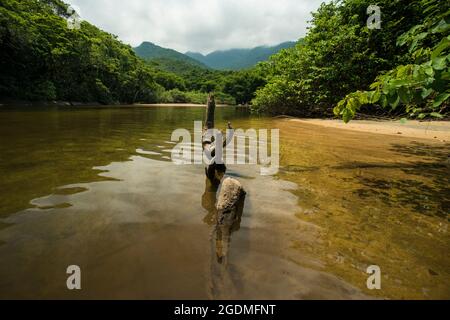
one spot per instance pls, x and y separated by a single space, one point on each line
436 130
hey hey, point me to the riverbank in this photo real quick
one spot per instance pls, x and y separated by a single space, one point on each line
26 103
21 103
433 130
186 105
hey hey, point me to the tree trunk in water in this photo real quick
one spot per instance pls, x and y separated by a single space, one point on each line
213 171
211 112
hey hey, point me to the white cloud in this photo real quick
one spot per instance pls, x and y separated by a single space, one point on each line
201 25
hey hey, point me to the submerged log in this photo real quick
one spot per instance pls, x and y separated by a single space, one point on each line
230 194
229 207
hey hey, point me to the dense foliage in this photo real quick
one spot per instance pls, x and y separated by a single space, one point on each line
188 80
341 55
196 81
340 68
421 87
42 59
242 85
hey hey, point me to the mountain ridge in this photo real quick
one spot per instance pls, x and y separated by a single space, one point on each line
237 58
232 59
150 51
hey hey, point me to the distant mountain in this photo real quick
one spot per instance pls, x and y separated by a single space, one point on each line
150 51
236 59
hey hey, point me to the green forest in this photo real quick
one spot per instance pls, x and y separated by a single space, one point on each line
341 68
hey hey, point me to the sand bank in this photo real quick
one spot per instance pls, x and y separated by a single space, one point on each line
435 130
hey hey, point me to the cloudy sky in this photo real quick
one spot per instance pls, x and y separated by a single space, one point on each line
200 25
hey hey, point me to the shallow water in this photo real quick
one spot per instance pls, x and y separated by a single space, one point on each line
95 187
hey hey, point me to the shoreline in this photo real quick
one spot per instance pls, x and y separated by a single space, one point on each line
438 131
97 104
23 103
184 105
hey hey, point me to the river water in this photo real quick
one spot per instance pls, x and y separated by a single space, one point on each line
95 187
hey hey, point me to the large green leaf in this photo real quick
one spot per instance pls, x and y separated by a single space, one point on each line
422 116
405 95
436 115
429 70
439 63
443 45
426 92
384 101
440 99
394 101
346 116
417 40
375 96
442 26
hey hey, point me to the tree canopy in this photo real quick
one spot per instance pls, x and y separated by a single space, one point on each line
340 58
43 59
340 68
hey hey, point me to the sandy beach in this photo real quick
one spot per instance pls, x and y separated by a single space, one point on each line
436 130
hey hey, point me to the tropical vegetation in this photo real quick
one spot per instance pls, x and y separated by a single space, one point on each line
341 68
344 67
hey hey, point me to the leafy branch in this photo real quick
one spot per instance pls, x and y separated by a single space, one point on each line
421 87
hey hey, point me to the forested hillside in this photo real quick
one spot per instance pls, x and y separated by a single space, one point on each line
150 51
42 59
238 59
193 76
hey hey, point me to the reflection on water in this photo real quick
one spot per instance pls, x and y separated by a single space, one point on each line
221 233
95 187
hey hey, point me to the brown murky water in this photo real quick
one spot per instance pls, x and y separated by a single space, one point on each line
95 187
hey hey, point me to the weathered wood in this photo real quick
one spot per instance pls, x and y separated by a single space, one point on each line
230 193
227 211
214 172
208 142
210 115
229 206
